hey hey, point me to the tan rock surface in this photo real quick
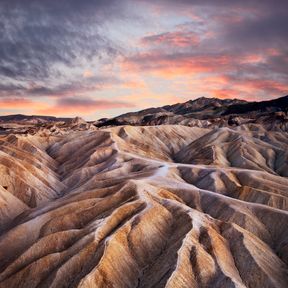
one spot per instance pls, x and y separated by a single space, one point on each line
162 206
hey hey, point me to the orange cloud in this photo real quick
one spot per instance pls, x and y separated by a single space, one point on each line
133 84
265 85
225 93
82 106
87 74
273 52
148 99
174 39
20 104
181 64
253 58
66 111
250 89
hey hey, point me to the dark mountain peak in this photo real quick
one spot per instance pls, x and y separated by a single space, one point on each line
202 100
212 101
200 104
204 110
274 105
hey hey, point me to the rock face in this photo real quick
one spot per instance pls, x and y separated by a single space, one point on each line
162 206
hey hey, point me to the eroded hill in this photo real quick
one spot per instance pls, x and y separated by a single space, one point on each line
162 206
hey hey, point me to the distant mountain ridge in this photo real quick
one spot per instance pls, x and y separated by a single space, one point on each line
200 112
279 104
200 104
31 118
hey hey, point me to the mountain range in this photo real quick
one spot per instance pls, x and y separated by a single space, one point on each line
203 112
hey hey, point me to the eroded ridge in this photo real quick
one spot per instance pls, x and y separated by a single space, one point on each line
162 206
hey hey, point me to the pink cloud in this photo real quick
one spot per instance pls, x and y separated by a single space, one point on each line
83 106
20 104
174 39
169 65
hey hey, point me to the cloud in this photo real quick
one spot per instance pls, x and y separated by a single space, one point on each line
21 104
245 43
248 24
177 63
267 4
260 31
98 104
83 106
53 42
174 39
81 85
222 75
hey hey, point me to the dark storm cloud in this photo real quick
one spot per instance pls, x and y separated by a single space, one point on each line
265 20
226 3
39 39
268 30
77 86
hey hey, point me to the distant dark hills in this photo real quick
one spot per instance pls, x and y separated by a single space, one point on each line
204 112
31 118
279 104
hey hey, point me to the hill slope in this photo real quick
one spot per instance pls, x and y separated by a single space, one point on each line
164 206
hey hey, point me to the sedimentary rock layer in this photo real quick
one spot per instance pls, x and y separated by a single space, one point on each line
162 206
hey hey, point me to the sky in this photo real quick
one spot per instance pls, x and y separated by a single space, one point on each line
102 58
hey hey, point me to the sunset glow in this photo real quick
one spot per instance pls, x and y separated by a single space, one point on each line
103 58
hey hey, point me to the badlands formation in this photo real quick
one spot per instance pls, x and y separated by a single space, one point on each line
144 206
